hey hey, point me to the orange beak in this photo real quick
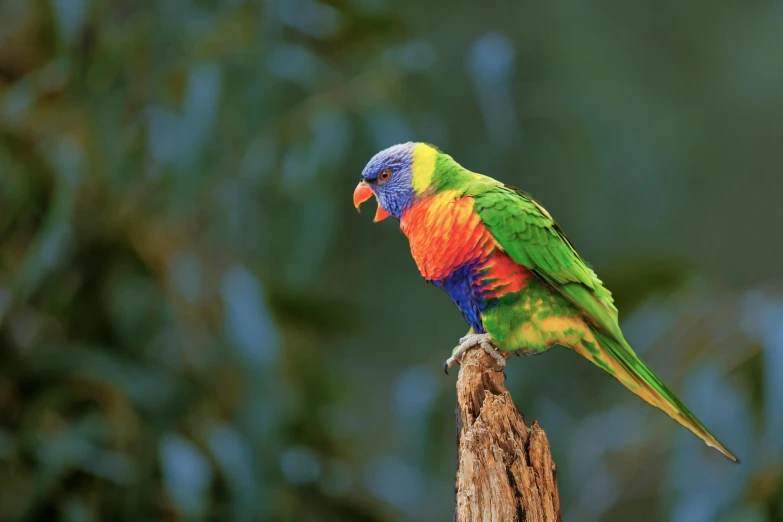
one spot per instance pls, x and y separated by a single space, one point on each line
362 194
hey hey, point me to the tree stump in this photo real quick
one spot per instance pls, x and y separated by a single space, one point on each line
505 470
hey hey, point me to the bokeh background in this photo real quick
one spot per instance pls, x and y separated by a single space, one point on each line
196 325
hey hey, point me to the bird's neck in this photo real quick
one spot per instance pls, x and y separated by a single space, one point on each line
424 209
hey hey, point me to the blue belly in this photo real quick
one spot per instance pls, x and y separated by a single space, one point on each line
459 286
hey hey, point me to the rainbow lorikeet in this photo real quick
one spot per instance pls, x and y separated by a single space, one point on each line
509 269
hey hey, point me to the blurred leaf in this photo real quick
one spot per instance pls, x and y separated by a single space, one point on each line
186 475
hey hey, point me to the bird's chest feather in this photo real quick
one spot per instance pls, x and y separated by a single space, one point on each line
445 233
454 249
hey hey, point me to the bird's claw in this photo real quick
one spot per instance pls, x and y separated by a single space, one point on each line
469 341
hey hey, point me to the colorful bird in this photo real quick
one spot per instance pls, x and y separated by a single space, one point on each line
509 269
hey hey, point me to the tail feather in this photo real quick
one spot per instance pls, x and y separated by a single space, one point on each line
619 360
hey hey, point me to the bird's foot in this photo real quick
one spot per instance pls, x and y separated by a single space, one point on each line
468 342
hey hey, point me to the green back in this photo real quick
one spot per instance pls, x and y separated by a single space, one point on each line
526 231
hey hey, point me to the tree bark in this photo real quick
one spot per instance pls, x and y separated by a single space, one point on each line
505 470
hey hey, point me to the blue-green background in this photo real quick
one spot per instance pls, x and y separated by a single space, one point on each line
196 325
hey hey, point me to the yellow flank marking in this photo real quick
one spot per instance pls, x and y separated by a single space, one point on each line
424 158
557 324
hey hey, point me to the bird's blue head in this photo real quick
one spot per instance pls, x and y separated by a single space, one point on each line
389 176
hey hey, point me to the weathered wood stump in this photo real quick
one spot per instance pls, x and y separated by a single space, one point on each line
505 470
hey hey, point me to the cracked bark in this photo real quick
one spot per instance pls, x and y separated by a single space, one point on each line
505 469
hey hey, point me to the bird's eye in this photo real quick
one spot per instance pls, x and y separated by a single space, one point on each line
384 176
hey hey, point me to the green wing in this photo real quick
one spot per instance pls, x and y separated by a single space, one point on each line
526 231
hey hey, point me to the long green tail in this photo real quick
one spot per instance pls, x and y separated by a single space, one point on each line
619 360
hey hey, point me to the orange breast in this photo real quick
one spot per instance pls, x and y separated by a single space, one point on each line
446 234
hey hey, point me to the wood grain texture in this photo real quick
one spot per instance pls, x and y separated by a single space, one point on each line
505 469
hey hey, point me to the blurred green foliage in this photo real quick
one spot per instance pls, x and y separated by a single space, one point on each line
195 325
